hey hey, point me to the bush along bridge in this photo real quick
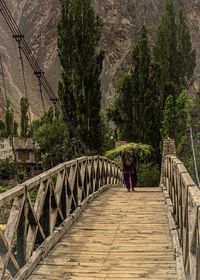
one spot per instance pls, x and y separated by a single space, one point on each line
76 221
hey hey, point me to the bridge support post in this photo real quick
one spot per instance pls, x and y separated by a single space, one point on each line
169 148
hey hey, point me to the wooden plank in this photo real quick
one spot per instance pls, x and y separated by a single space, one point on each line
50 242
115 238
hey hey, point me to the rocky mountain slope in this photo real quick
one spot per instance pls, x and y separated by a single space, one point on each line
122 22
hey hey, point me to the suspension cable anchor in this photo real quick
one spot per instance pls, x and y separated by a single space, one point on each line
18 37
38 74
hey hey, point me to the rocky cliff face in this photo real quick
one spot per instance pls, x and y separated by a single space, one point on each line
122 22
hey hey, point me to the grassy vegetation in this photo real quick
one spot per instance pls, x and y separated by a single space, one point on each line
148 175
138 151
5 188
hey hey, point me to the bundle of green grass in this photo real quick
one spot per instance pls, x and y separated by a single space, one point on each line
138 151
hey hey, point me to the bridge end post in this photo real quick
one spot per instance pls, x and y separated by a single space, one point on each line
169 148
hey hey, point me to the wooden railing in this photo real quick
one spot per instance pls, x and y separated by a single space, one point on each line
43 208
185 198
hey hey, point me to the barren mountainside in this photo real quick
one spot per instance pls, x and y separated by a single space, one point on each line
122 22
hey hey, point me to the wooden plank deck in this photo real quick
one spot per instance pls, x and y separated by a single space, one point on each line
120 236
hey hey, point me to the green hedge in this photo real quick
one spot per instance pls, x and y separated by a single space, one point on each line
148 175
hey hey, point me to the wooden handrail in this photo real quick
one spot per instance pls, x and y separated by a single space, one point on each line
40 205
185 197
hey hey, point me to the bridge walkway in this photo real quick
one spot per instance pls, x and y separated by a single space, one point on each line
120 235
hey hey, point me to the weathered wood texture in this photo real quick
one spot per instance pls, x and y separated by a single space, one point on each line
185 198
120 235
44 207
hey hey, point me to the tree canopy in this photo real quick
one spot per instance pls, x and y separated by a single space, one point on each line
79 32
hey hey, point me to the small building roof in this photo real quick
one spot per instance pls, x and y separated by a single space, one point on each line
23 144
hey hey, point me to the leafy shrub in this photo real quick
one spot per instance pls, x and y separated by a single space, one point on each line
8 169
5 188
148 175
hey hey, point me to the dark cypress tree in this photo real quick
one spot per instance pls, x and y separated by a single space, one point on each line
132 89
165 51
168 128
182 116
9 122
174 53
24 126
79 33
187 55
124 106
141 83
153 87
175 56
175 117
136 109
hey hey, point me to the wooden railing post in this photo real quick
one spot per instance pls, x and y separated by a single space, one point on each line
185 199
169 148
61 192
22 232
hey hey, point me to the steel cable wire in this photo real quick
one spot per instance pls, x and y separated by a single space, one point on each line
36 69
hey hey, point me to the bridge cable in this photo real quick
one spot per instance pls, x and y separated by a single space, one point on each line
18 38
4 83
28 54
40 90
194 156
36 69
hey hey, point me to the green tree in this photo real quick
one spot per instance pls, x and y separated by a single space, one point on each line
108 137
124 106
151 117
150 95
187 55
174 54
10 123
182 116
141 83
165 51
79 33
24 126
15 128
136 110
169 118
2 129
50 134
8 169
175 60
127 111
176 117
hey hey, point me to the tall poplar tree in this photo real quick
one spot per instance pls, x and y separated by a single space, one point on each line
141 82
132 89
175 117
174 54
81 60
11 125
166 53
187 55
